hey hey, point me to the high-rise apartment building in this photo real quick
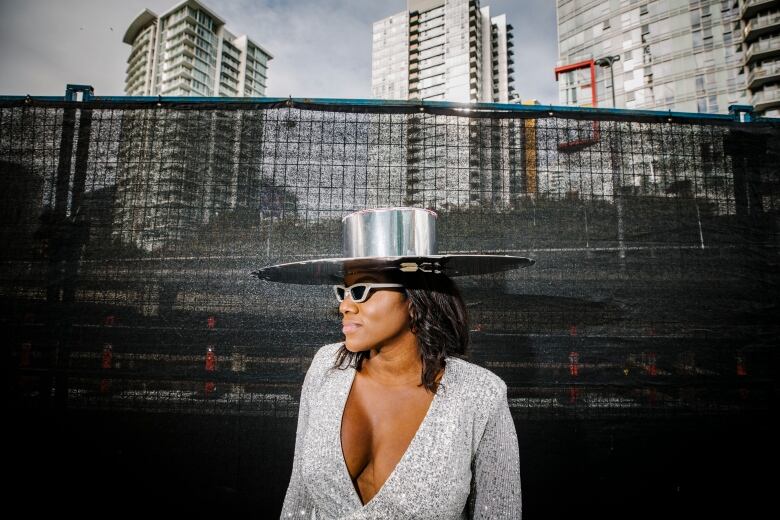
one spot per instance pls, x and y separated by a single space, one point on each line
761 48
451 50
682 55
188 51
175 174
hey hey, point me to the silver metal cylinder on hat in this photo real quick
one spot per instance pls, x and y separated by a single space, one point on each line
390 232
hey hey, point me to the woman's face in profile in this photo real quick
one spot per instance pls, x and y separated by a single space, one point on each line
377 321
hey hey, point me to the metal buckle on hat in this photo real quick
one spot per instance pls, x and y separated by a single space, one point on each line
425 267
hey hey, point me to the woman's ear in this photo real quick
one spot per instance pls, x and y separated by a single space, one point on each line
412 317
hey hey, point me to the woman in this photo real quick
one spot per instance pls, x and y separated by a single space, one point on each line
393 422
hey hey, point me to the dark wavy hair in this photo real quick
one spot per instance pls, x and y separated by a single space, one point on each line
438 319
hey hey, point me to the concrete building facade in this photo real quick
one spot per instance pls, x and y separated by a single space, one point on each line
177 172
682 55
760 22
449 50
188 51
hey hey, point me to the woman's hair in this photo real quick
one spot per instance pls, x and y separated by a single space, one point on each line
438 320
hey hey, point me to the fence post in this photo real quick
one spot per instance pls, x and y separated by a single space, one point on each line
64 228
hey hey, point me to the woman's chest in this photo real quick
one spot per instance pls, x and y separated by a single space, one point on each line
436 458
377 427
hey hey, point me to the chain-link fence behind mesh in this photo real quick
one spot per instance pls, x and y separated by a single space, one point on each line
129 233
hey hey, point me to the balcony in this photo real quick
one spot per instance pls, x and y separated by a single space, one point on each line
762 50
185 47
137 85
760 26
766 99
177 75
168 89
751 7
135 65
183 27
181 72
137 74
760 76
181 60
138 49
143 37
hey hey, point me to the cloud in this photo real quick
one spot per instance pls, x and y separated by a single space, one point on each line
45 45
536 46
320 48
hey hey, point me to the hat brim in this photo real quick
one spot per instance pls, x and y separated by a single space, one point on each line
333 270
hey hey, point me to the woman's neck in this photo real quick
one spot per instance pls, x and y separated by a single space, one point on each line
395 364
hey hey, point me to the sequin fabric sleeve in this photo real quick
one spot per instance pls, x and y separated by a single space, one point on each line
495 486
297 503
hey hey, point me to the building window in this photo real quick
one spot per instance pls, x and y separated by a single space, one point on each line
646 56
695 19
697 39
707 37
700 84
713 104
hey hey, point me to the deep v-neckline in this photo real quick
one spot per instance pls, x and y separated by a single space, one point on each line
345 468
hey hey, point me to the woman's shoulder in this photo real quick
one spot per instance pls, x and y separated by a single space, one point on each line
476 381
328 351
324 358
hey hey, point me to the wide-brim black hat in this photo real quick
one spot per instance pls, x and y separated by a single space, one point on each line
389 239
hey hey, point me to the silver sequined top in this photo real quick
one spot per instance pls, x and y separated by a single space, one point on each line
462 463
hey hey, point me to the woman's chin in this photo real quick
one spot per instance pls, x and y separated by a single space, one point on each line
353 346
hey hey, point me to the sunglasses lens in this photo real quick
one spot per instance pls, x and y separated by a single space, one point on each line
358 292
340 293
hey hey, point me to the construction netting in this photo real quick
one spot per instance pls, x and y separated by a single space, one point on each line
130 230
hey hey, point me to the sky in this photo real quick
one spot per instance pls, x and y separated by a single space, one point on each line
321 48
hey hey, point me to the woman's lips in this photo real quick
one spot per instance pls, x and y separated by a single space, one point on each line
349 327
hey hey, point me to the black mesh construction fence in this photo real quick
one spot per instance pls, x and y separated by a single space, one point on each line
129 232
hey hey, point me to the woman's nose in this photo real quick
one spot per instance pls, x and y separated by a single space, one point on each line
347 304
